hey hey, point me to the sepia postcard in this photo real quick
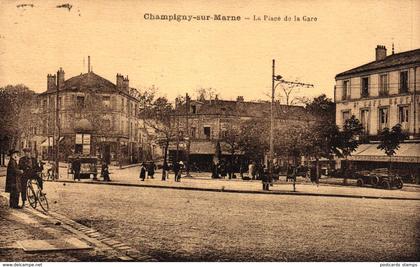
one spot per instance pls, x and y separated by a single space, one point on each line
201 131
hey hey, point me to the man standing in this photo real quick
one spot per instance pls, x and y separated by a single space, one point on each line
13 179
76 164
27 164
176 167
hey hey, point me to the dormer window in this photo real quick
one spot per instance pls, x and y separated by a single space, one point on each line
194 109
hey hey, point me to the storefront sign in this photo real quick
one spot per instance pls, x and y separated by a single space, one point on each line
79 139
86 139
86 149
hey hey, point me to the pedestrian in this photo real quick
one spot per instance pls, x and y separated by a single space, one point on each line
223 169
13 179
229 169
27 164
165 170
105 172
314 175
151 167
76 165
265 178
251 170
177 171
142 175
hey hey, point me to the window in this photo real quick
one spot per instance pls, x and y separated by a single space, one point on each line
383 118
44 104
207 132
403 115
383 85
107 124
193 132
106 101
364 119
80 101
194 109
346 90
122 104
346 116
365 87
403 82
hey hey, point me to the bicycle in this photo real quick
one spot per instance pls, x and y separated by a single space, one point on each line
35 195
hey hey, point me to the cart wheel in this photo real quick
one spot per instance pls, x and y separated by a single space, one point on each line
43 202
386 185
31 196
399 183
374 180
360 182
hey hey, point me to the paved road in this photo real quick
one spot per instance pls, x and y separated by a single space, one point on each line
208 226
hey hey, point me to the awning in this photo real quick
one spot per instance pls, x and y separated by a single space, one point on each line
45 142
408 152
203 148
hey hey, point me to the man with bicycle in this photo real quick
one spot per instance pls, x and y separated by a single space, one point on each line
30 167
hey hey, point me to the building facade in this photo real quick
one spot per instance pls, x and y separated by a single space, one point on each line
203 125
96 117
381 94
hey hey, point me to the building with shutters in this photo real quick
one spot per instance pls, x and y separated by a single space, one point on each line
97 118
381 94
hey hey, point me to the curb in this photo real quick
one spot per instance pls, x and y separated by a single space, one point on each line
289 193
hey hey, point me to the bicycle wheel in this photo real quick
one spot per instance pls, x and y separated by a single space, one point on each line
43 201
30 194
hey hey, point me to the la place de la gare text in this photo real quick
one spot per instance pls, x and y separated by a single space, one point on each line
220 17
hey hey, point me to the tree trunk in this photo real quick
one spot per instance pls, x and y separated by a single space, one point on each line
317 170
390 166
165 161
345 176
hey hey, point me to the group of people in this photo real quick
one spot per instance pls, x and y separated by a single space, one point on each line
147 170
222 169
19 171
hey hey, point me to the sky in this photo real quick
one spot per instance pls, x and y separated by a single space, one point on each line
233 57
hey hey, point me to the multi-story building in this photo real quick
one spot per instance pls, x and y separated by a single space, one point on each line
97 117
381 94
206 123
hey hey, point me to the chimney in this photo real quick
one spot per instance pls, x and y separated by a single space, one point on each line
51 82
119 81
88 64
126 83
60 77
380 52
240 99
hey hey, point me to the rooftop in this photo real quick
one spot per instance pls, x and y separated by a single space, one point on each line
246 109
393 60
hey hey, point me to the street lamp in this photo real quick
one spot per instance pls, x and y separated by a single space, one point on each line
275 81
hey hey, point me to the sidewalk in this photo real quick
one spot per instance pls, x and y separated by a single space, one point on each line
202 181
33 236
46 240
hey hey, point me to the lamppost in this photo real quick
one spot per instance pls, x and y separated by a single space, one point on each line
275 81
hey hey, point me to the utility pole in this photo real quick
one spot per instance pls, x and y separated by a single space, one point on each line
187 158
279 79
57 127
